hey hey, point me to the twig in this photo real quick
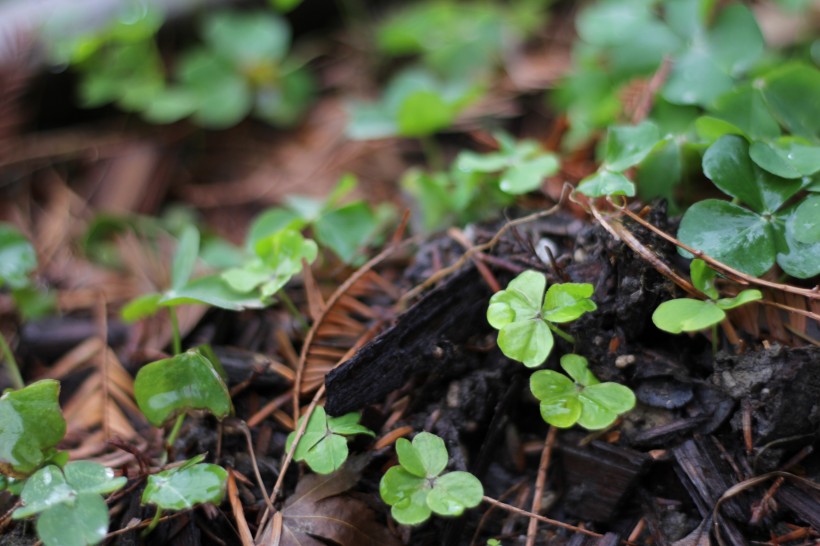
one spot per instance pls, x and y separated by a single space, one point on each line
556 523
739 276
546 454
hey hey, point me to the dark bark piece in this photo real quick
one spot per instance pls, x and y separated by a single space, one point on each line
599 477
803 501
706 476
448 316
50 338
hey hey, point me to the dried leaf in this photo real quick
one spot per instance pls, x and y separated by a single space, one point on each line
319 509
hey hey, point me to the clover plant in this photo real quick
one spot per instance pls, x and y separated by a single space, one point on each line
690 315
416 103
323 446
521 166
582 399
526 317
344 228
465 40
184 486
766 230
68 502
240 68
416 487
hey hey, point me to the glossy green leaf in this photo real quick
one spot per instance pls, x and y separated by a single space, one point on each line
567 301
786 90
182 383
686 315
735 39
729 233
604 182
186 486
709 128
271 222
801 260
522 165
788 157
703 278
528 175
454 492
17 257
696 78
628 145
171 105
185 257
559 398
743 298
745 108
806 221
223 96
521 300
80 523
602 403
578 369
323 446
728 165
528 341
51 486
406 494
409 458
31 424
247 38
431 452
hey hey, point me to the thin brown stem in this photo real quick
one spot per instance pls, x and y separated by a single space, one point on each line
540 481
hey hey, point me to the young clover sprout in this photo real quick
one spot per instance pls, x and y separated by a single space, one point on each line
323 446
525 317
691 315
416 487
582 399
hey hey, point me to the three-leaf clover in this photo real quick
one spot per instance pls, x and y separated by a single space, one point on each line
524 316
416 487
582 399
323 445
277 259
522 166
750 239
690 315
69 503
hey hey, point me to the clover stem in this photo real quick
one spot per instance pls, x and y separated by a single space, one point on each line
11 364
292 309
153 524
562 334
177 340
172 436
432 152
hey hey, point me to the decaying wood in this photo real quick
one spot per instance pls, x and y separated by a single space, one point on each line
449 315
604 474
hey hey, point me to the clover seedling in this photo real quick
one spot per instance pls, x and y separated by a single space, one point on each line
582 399
189 381
71 509
415 104
751 239
626 146
522 166
31 425
691 315
524 316
323 446
343 228
185 486
416 487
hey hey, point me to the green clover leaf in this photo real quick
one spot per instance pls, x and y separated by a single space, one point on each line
323 445
186 486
